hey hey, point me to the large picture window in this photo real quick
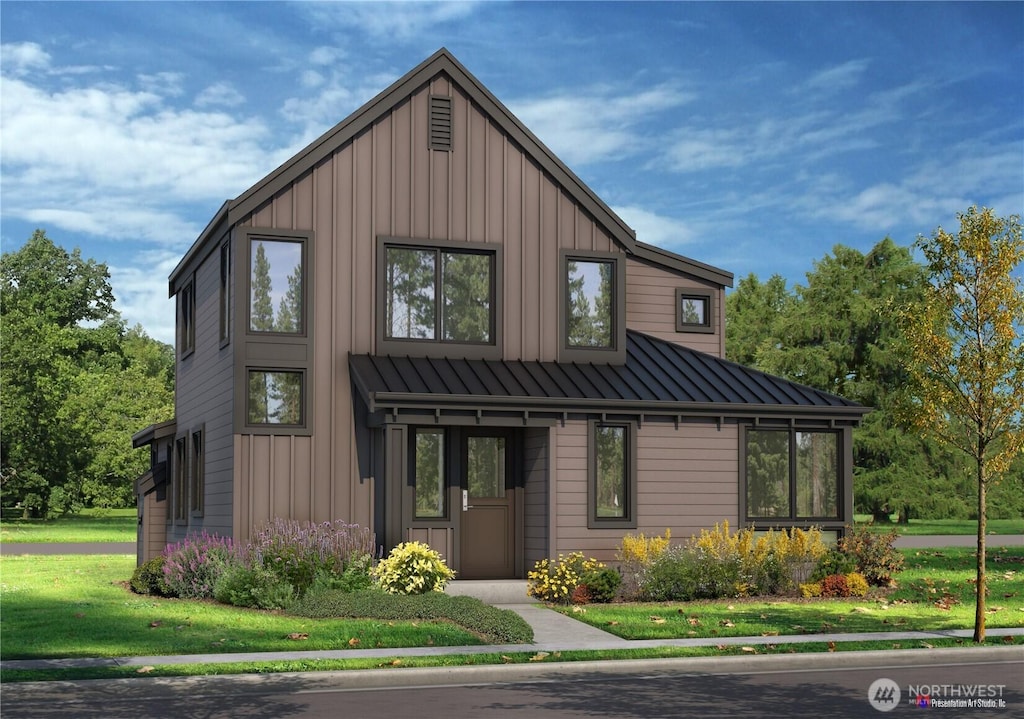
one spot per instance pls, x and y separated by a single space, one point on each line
276 279
436 296
592 311
792 474
612 475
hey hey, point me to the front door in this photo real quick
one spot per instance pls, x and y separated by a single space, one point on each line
488 526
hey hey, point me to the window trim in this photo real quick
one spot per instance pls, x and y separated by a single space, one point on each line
179 512
438 347
197 473
187 318
275 427
224 293
304 240
691 293
629 518
615 354
844 478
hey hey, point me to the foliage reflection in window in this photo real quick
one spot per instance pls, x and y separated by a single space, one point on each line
612 471
590 297
817 467
778 460
440 295
486 466
276 300
767 474
430 473
275 397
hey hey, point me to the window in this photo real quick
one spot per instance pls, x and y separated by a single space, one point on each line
592 308
612 475
276 286
791 474
694 310
428 452
225 293
196 475
180 480
439 296
275 397
187 319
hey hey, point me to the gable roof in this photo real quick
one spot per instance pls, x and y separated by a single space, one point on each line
659 378
442 61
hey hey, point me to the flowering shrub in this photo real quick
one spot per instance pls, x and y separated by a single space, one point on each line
556 582
412 568
635 555
191 566
876 555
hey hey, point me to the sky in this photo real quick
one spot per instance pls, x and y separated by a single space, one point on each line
750 136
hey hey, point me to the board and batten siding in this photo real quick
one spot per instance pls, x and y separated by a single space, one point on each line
651 307
385 182
203 401
535 504
687 480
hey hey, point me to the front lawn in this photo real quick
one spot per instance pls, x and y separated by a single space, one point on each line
90 525
943 526
935 592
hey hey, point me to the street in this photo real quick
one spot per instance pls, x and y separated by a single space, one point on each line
835 686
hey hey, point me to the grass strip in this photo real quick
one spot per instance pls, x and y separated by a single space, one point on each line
917 527
91 525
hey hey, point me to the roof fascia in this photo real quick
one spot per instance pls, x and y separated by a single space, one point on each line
215 229
680 263
441 61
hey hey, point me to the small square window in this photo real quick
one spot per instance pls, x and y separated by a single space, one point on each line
275 397
694 310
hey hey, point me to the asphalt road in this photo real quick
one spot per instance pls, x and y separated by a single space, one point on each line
795 686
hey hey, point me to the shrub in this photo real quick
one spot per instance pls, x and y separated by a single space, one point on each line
857 584
602 585
148 578
635 555
877 559
556 581
256 587
412 568
811 589
299 552
835 561
835 585
500 626
192 566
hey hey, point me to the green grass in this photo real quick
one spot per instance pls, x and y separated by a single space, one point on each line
397 663
944 526
77 606
935 593
91 525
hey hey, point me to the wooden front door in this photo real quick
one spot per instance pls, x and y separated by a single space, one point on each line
488 528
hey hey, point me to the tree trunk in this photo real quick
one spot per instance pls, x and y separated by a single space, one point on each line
979 586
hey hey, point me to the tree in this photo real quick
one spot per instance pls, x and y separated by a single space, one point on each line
965 355
752 312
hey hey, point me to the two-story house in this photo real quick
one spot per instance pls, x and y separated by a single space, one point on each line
425 323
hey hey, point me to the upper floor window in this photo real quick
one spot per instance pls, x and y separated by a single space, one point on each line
224 299
187 318
694 310
593 306
275 397
276 285
792 474
444 294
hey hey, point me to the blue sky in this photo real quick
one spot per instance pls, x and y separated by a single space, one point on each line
753 137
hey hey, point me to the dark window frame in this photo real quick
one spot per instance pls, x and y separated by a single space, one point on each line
629 518
197 473
689 293
224 296
446 516
438 347
179 513
277 427
303 240
616 354
842 514
187 318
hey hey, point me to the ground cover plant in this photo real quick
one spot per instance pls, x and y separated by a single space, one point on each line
79 606
89 525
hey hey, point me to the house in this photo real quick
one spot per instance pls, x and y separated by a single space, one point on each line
425 323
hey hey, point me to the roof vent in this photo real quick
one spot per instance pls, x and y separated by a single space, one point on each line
440 123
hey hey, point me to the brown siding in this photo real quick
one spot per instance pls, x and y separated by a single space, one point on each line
536 473
440 539
153 531
687 480
651 307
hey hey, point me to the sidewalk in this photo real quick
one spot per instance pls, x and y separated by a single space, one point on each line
553 632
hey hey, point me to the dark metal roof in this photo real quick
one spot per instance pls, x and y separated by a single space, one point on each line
658 378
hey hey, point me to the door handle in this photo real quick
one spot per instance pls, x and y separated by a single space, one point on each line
465 500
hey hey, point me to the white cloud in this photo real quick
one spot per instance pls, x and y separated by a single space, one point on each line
220 93
141 299
18 58
840 77
599 124
655 229
391 21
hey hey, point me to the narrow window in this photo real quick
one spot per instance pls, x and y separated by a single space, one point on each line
180 479
196 475
590 298
430 474
411 276
187 319
767 474
225 292
612 470
694 310
276 294
817 472
275 397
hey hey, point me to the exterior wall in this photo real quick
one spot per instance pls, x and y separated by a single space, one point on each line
153 530
203 401
651 307
687 480
535 504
